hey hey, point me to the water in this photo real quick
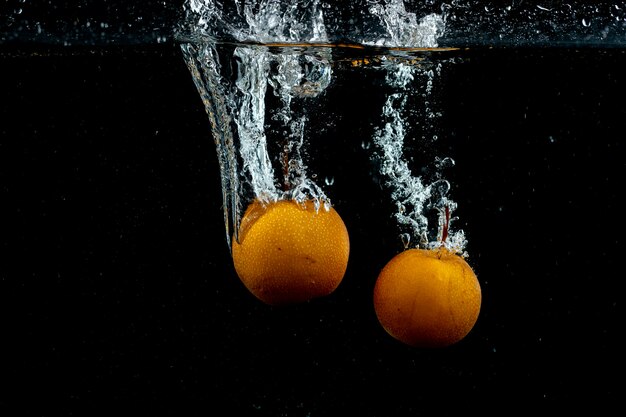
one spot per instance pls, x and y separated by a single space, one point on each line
284 48
118 289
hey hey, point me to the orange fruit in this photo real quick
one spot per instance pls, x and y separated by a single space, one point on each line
289 252
427 298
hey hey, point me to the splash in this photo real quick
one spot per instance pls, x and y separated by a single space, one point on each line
387 23
261 21
403 28
259 64
384 22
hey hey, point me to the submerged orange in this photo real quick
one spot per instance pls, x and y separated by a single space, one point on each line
290 252
427 298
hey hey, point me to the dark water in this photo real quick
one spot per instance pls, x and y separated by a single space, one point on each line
118 292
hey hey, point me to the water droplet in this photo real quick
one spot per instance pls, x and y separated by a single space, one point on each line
329 181
586 22
366 144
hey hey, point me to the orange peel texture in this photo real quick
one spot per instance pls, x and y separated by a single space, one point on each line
427 298
289 253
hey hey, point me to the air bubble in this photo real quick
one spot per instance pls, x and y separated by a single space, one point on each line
443 163
406 240
440 187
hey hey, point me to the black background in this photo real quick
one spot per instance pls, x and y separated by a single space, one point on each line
118 292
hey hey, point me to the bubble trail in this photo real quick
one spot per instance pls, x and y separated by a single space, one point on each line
236 82
413 196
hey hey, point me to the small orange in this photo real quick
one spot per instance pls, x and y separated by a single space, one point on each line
289 252
427 298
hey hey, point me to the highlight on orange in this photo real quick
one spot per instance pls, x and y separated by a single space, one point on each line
290 252
427 297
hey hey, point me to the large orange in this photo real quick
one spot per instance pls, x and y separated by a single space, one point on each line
427 298
290 252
